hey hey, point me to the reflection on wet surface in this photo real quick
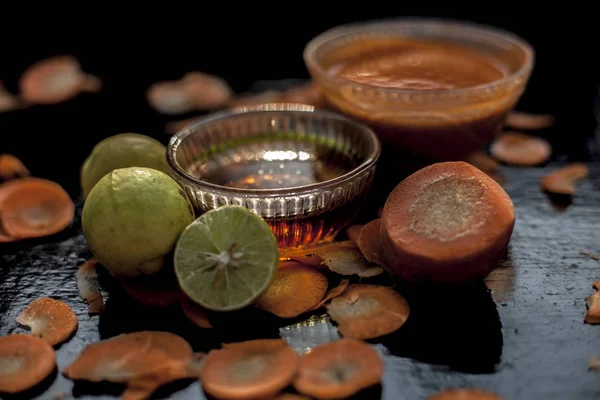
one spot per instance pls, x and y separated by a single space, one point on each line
500 281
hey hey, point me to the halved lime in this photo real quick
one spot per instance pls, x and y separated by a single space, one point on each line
226 258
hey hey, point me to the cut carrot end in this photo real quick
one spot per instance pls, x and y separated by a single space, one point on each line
519 149
563 180
465 394
52 80
51 320
88 286
195 313
368 311
338 369
248 370
128 357
296 290
526 121
353 232
12 168
25 361
369 242
35 208
332 293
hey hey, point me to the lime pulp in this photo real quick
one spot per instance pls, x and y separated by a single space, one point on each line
226 258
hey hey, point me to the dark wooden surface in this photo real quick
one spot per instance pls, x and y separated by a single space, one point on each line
521 334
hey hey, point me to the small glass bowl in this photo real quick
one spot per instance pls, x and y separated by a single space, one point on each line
436 124
314 167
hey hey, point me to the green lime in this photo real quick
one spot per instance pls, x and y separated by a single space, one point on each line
122 151
132 218
226 258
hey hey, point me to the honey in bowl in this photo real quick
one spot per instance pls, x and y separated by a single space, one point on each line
433 89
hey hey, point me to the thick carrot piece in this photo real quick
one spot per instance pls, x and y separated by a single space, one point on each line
448 222
368 311
25 361
51 320
338 369
248 370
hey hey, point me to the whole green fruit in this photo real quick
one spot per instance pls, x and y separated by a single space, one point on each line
132 218
122 151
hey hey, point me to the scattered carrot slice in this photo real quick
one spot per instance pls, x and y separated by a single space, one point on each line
353 232
50 320
590 255
142 360
89 289
562 180
368 311
596 285
296 290
595 363
338 369
519 149
465 394
255 99
369 242
195 313
25 361
248 370
35 208
332 293
147 293
8 101
194 91
592 302
343 258
55 80
11 168
526 121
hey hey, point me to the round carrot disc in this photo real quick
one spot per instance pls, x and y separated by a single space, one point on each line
25 361
368 311
35 208
296 289
448 222
353 232
519 149
52 80
465 394
338 369
49 319
249 370
369 242
206 91
169 97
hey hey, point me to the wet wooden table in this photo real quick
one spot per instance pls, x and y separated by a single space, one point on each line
520 333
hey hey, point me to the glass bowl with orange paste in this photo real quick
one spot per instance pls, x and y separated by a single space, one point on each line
436 89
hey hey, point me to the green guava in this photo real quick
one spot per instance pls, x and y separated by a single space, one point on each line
122 151
132 218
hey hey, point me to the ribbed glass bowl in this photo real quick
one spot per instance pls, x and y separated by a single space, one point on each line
305 171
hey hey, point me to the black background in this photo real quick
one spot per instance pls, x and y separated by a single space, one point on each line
243 43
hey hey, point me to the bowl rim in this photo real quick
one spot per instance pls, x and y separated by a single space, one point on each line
391 24
295 108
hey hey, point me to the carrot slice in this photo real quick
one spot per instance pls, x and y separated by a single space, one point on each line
194 91
25 361
595 363
55 80
592 302
338 369
596 285
465 394
50 320
448 222
562 180
368 311
332 293
296 290
369 242
195 313
36 208
8 101
11 168
291 396
353 232
89 289
527 121
519 149
248 370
